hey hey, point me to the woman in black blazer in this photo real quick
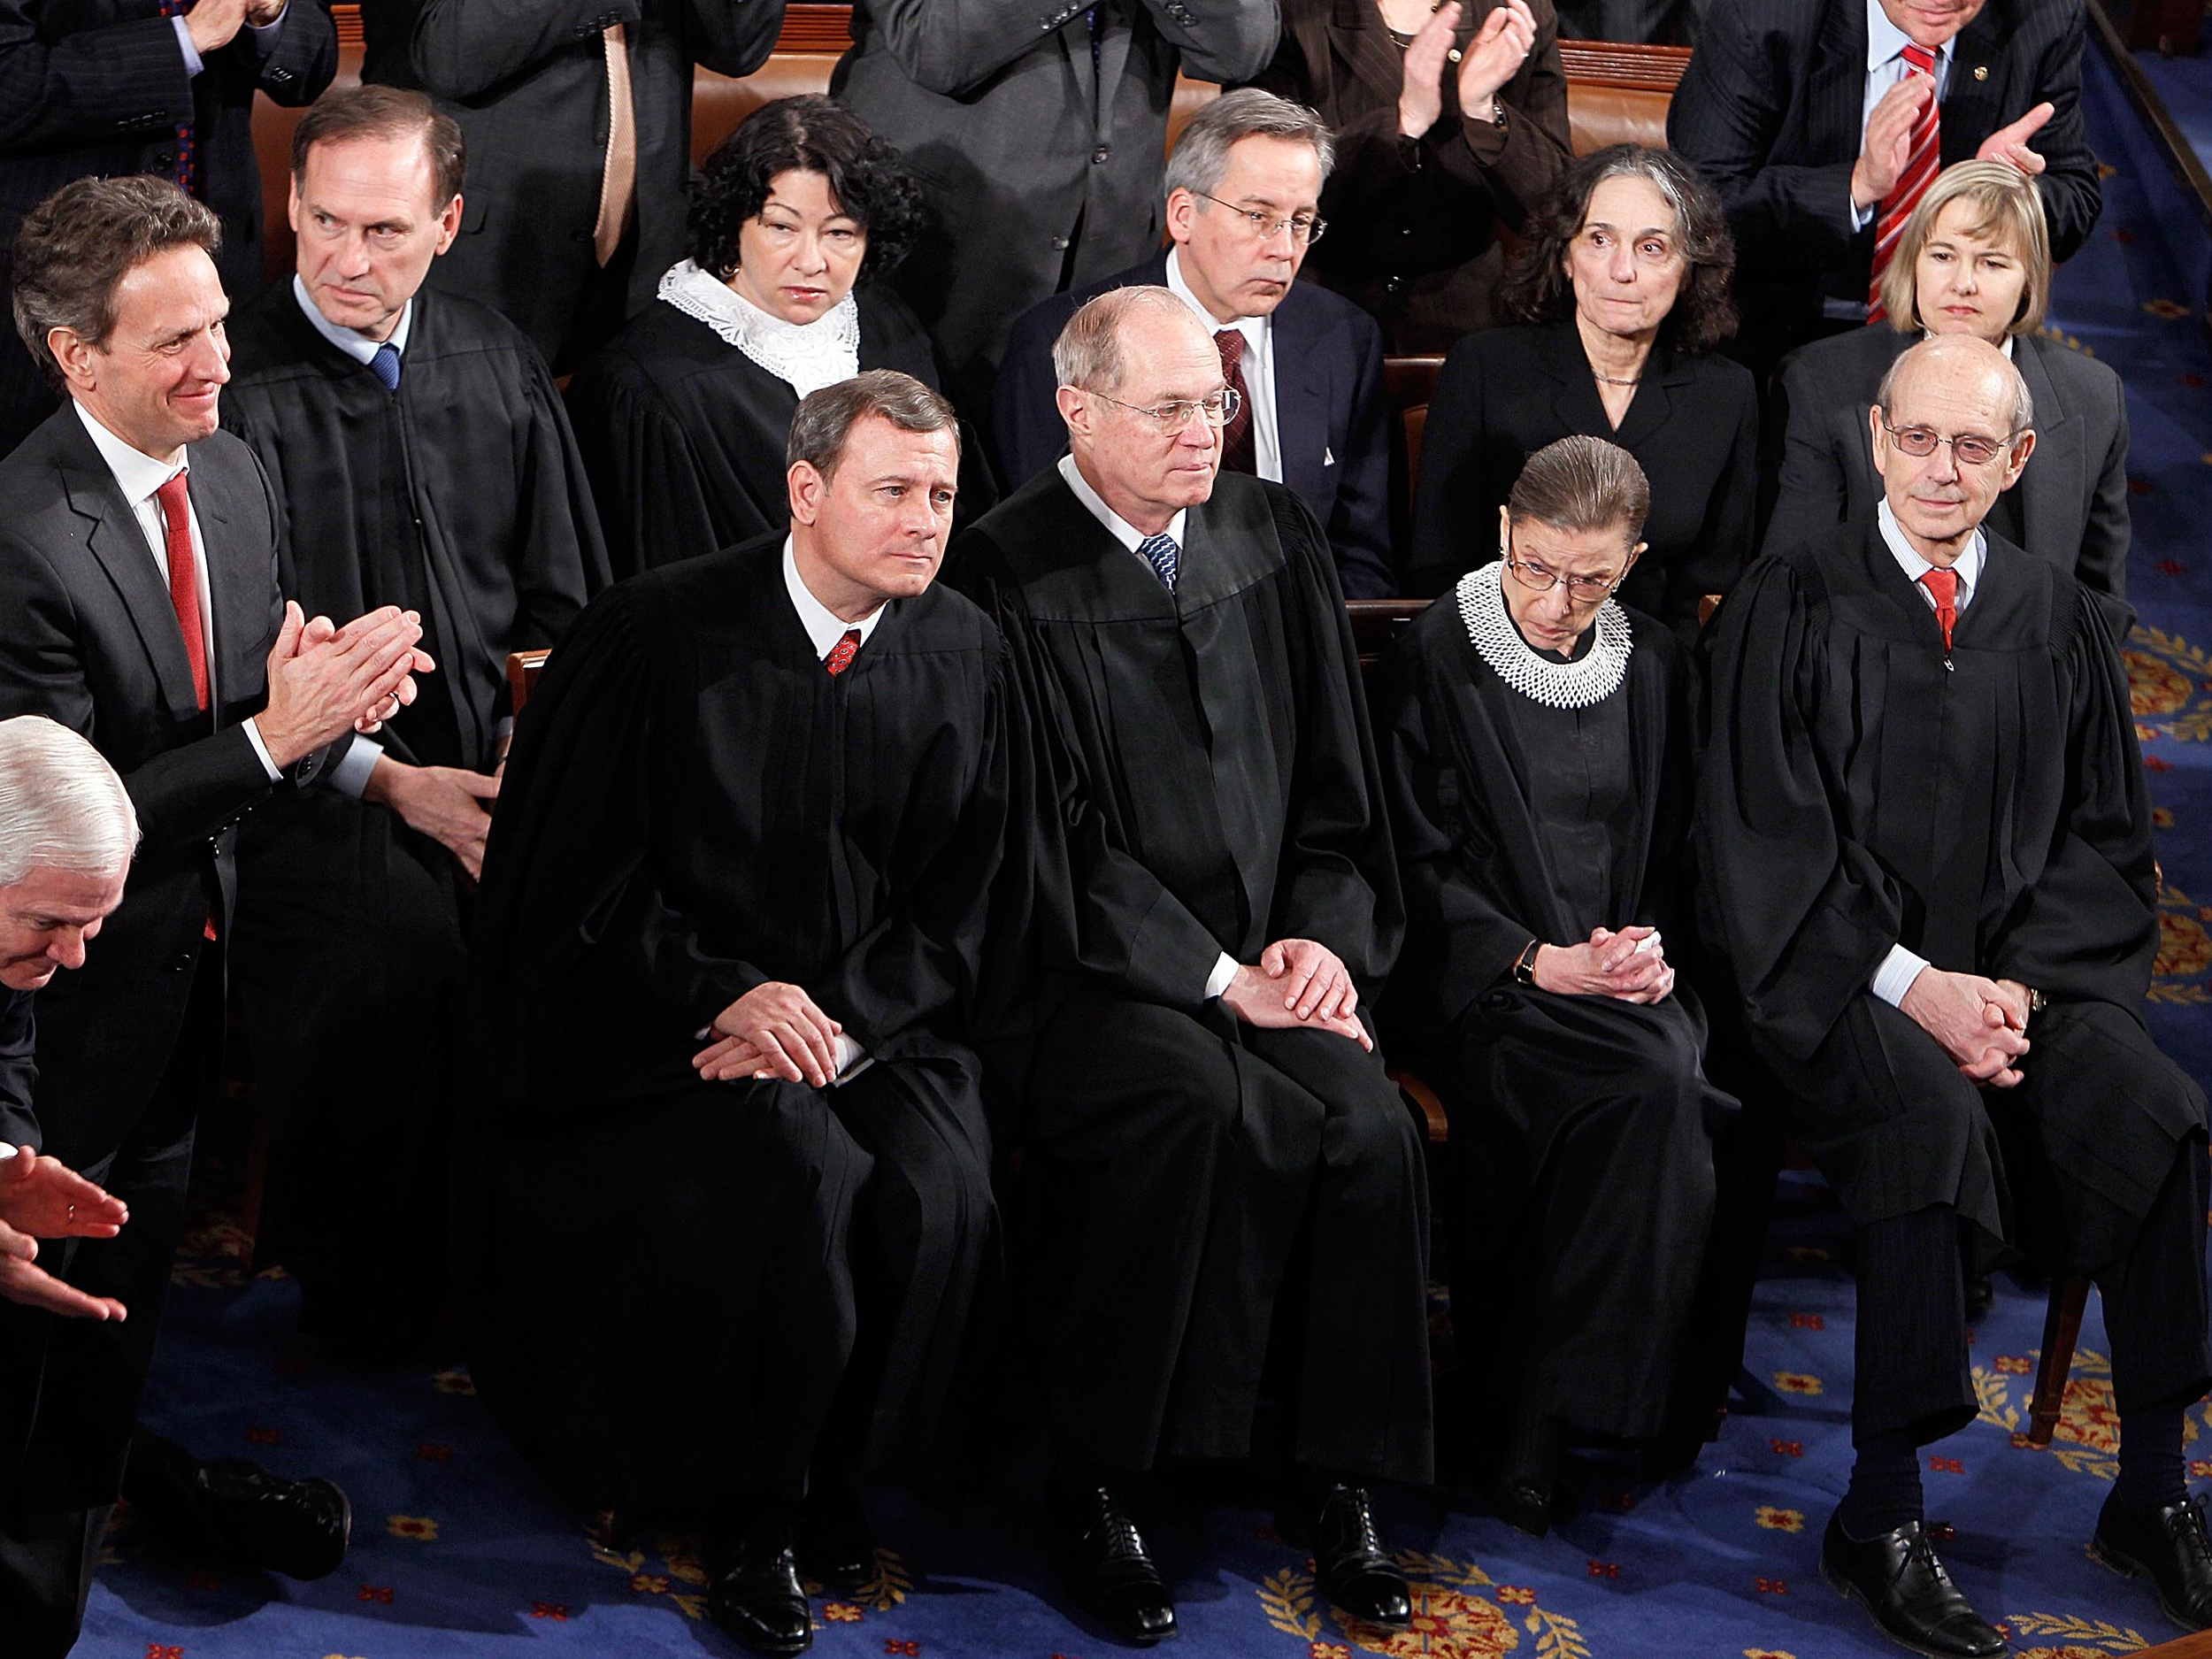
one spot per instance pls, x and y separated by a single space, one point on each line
1974 259
1621 296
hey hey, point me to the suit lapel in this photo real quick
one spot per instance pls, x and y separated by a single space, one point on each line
1969 115
1302 420
240 596
1836 80
2056 482
120 545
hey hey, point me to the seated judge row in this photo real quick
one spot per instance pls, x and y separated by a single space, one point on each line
794 820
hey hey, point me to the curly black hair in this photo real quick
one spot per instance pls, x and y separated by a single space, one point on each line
867 179
1537 289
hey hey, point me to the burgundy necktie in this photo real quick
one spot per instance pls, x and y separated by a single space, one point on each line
186 171
1945 586
1238 451
842 654
184 593
1920 171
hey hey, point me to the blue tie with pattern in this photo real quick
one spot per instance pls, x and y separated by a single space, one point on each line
1164 556
385 366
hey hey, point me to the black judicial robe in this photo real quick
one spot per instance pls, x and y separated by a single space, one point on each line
1581 1124
684 434
660 1303
460 495
1860 785
1203 780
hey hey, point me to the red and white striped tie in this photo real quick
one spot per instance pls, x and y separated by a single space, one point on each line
1921 164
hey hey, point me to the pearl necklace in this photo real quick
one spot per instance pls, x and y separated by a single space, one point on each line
1591 678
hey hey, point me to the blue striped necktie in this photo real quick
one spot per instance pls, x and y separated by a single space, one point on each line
385 366
1164 556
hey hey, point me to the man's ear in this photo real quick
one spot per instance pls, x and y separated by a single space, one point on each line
449 225
2023 447
75 355
1182 207
292 205
806 486
1878 436
1075 409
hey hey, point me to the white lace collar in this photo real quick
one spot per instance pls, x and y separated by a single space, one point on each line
806 357
1591 678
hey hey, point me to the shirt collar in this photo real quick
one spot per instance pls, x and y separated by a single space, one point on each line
352 341
1969 568
1252 328
138 475
824 626
1885 40
1117 527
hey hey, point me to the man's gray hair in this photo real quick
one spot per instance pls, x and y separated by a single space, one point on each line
1202 154
827 418
1088 352
61 805
1946 345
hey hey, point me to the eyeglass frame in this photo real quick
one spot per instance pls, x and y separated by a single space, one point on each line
1586 596
2001 447
1268 224
1173 416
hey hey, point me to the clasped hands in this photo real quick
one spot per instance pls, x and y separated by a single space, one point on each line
1982 1024
1888 148
1492 58
773 1031
1299 983
41 1198
1630 964
325 680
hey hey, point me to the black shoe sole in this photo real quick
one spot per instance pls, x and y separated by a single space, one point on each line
1850 1592
2128 1567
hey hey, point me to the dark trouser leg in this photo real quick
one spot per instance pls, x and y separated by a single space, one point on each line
2154 1313
1911 1384
46 1561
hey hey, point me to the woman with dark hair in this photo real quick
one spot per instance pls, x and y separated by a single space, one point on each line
1620 298
1536 752
682 418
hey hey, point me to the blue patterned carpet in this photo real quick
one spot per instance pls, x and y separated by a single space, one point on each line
459 1552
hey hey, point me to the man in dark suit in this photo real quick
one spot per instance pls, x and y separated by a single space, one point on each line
1042 130
1821 121
1243 192
116 86
578 117
139 557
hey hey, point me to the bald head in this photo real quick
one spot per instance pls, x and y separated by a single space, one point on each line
1134 366
1960 402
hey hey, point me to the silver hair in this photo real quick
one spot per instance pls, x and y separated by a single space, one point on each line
1088 352
1581 483
826 417
2022 404
1202 154
61 805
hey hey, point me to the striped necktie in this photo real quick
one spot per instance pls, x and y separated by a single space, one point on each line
1925 156
1164 556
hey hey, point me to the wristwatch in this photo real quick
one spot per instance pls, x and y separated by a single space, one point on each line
1525 965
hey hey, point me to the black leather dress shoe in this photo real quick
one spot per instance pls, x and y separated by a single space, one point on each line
1908 1591
240 1513
837 1548
2170 1547
1108 1572
1350 1566
756 1596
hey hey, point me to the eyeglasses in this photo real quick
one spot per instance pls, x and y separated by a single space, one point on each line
1217 410
1305 228
1966 449
1538 578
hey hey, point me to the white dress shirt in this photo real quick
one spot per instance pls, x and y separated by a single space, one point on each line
350 775
1901 967
1129 537
1258 366
138 475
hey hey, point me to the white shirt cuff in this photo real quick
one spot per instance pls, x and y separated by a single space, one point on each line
1896 974
1860 216
852 1060
1225 970
265 35
192 64
7 1151
350 775
253 736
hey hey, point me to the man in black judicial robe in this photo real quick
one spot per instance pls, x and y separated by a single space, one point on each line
762 792
1929 858
419 457
1211 880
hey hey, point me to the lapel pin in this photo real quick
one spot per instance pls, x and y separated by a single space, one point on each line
1981 71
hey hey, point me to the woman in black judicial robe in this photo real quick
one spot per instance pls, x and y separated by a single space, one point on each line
1538 791
1621 298
683 417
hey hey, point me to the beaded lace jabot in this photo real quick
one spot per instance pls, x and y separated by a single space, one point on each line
1591 678
806 357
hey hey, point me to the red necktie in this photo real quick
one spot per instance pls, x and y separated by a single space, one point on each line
1920 171
1240 453
842 654
1945 586
184 581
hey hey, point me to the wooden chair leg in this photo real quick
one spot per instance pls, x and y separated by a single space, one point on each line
2061 1326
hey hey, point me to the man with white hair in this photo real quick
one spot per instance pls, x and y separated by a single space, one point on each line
67 832
1220 1158
1927 856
